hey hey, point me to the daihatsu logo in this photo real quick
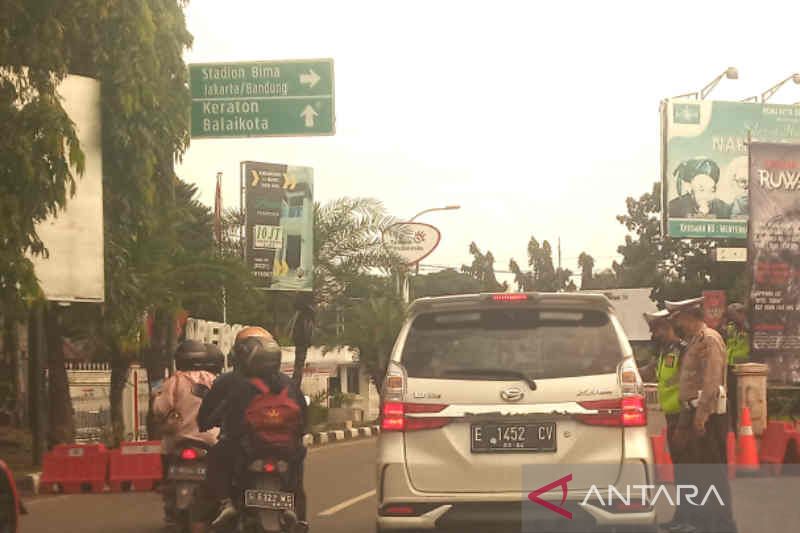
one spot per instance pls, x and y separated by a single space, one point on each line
513 394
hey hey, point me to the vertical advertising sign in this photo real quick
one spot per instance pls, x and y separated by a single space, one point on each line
774 258
279 225
704 162
74 269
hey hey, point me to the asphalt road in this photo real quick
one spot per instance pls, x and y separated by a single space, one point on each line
340 483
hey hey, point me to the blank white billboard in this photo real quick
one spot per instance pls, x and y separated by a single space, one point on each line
74 271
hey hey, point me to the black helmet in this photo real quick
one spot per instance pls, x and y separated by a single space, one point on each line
216 359
259 356
192 355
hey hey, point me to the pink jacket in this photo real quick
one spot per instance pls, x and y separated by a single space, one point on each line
175 407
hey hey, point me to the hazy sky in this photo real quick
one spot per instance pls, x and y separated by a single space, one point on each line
537 118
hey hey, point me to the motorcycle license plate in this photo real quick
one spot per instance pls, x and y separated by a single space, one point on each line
187 472
269 499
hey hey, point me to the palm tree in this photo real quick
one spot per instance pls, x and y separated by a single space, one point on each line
371 327
348 243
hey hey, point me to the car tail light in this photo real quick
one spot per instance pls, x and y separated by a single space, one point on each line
629 378
395 382
189 454
628 411
634 411
393 416
509 297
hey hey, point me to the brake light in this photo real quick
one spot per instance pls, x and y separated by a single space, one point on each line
188 454
634 411
509 297
394 416
628 411
269 468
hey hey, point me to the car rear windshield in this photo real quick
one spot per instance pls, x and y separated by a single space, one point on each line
539 343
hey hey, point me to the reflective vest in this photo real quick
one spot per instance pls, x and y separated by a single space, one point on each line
738 343
667 374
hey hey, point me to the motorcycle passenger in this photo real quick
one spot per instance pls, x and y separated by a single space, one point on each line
225 406
177 402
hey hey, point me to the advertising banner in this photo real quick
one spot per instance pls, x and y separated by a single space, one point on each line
774 258
704 162
279 225
74 270
411 241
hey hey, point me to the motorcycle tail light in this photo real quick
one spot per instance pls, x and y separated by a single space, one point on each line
188 454
269 468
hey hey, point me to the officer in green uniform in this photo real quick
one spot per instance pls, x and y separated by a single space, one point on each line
665 370
737 342
736 337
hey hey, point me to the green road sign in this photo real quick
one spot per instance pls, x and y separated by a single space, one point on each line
262 99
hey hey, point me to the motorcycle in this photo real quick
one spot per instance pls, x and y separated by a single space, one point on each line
267 499
186 472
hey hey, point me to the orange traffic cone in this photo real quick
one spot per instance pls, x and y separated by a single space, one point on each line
731 448
665 472
748 452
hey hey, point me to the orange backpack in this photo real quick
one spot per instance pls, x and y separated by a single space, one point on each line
274 418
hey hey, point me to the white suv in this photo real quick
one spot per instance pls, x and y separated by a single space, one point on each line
485 392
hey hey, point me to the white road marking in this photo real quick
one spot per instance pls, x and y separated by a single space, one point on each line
345 504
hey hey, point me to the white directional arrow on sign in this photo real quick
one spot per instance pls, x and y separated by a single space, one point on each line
309 113
310 78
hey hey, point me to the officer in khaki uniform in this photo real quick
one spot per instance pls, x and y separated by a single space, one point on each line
703 424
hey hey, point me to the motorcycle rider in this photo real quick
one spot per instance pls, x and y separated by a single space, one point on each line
177 402
255 357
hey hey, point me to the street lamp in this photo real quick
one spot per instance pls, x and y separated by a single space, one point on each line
445 208
769 93
731 73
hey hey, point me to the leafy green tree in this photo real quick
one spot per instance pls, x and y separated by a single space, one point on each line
586 264
371 327
482 270
543 276
443 283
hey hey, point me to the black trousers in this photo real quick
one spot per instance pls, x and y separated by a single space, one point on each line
678 462
705 458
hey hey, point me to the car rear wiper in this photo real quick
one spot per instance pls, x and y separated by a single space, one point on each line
493 372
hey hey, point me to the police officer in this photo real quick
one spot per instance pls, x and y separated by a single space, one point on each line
665 367
665 370
736 336
703 423
737 340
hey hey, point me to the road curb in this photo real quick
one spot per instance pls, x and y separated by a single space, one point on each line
29 484
329 437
